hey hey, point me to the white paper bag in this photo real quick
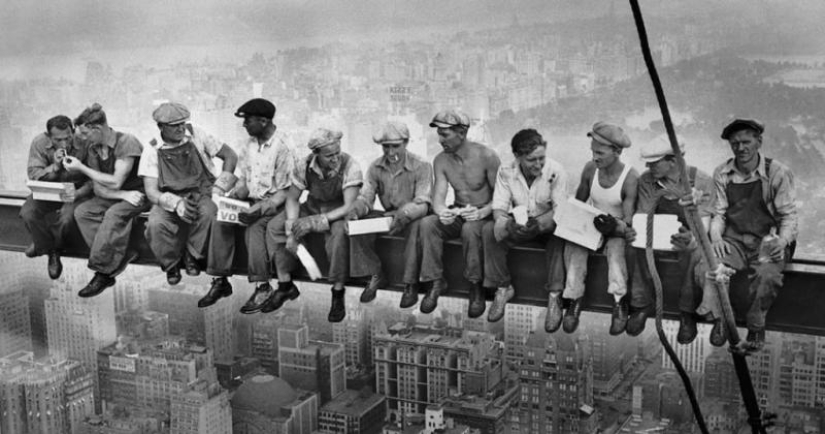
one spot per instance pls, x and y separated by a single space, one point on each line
369 226
664 226
52 191
574 223
308 262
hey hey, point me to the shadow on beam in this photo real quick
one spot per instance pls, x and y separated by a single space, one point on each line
795 310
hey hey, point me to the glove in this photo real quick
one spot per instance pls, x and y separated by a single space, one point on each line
251 214
605 223
399 221
187 210
313 223
683 240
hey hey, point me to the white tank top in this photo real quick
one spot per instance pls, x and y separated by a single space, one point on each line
608 200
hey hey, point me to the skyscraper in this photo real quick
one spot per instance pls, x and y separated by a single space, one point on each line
15 323
311 365
202 409
519 321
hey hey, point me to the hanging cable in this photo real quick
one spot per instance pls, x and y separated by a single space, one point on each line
697 229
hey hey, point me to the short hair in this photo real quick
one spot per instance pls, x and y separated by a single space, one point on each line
526 141
61 122
93 115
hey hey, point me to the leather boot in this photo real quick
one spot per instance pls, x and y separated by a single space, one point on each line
220 288
430 300
571 316
618 320
476 305
554 313
409 297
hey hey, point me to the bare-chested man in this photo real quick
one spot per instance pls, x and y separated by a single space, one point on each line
470 168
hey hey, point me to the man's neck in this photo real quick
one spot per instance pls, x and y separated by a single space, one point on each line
527 177
462 151
614 168
266 134
750 166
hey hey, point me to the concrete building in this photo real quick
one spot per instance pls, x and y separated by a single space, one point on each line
202 409
353 412
311 365
265 404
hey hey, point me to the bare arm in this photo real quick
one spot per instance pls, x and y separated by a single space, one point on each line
583 190
229 157
440 185
113 181
350 194
106 192
150 185
492 162
629 193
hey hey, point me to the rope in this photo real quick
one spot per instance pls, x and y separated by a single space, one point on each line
697 229
657 284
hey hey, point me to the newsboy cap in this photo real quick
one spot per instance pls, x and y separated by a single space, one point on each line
609 134
391 132
323 137
658 148
742 124
171 113
256 107
450 118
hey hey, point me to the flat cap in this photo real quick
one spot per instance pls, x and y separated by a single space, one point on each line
450 118
742 124
609 134
391 132
256 107
323 137
658 148
171 113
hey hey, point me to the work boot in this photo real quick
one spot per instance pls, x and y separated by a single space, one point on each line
717 333
755 340
410 295
173 275
262 293
376 281
503 295
337 309
687 328
430 300
477 303
190 264
286 291
220 288
31 251
636 322
55 266
618 320
570 322
554 312
99 282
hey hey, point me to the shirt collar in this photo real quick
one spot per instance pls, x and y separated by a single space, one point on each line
730 167
408 163
669 180
317 169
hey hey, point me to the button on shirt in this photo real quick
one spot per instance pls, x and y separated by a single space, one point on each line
40 166
546 192
413 182
352 174
266 167
205 143
649 187
778 192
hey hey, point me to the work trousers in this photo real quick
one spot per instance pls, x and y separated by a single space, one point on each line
575 263
106 226
496 272
364 260
642 289
49 223
764 281
433 235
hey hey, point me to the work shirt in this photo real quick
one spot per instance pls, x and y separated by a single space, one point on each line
352 176
412 183
42 166
266 167
649 187
546 192
121 146
206 144
778 192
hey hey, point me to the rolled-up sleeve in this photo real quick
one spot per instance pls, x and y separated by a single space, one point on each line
148 166
423 183
705 184
299 176
284 167
367 193
784 202
502 196
353 176
39 168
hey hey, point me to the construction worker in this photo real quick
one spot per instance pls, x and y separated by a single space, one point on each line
180 180
609 185
51 223
470 169
402 181
266 160
536 184
659 189
105 221
333 179
754 225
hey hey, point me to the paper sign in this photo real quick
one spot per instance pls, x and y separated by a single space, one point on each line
574 223
228 209
369 226
52 191
308 262
664 226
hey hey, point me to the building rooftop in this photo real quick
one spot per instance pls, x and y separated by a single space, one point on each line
265 394
353 402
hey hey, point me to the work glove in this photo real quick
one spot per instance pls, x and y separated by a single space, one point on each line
251 214
313 223
683 240
399 221
187 210
605 223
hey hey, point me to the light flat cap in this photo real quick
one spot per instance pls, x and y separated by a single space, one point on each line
391 132
171 113
323 137
658 148
609 134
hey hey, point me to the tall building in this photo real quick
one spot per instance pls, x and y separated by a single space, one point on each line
556 378
797 371
354 334
44 396
720 377
487 414
311 365
147 374
24 279
211 326
417 366
78 327
353 412
15 323
265 404
140 324
264 331
519 321
691 355
202 409
613 356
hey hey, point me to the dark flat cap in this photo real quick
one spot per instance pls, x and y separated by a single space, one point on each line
256 107
450 118
742 124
